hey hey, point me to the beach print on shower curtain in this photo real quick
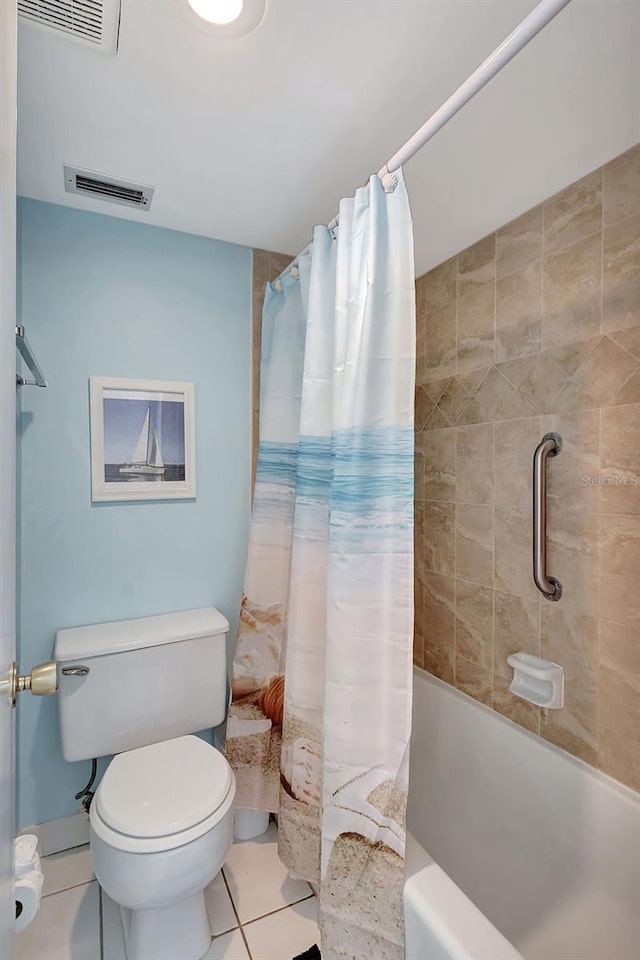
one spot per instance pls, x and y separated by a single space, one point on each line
320 721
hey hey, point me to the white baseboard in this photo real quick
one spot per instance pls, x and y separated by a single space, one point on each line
56 835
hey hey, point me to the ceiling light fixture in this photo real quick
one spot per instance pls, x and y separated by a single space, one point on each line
226 19
220 12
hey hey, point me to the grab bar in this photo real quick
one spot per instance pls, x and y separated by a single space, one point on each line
549 446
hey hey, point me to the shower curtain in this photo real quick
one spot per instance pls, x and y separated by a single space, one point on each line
320 718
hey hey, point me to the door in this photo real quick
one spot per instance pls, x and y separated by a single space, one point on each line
8 82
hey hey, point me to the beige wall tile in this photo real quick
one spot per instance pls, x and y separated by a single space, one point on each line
621 195
474 463
570 638
439 630
620 757
474 624
513 548
515 442
621 276
439 537
453 400
519 242
440 343
474 543
574 213
440 464
619 679
620 459
474 681
573 557
423 407
516 630
438 287
543 383
601 374
525 714
476 314
620 569
628 339
419 465
519 312
437 420
477 265
569 473
571 304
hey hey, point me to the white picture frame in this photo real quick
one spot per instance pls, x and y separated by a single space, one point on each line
143 440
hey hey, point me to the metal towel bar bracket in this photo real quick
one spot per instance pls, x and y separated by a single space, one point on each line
549 446
28 356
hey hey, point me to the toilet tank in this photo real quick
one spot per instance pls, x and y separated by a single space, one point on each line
134 682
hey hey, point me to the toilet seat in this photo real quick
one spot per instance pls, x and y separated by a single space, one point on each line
162 796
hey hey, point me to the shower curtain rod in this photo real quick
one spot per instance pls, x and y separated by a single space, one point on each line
532 24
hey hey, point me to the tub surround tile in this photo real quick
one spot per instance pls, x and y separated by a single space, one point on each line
474 625
439 625
621 277
566 358
419 465
474 463
519 242
620 757
474 543
513 548
621 187
571 638
477 265
437 288
424 406
519 312
571 308
620 459
440 465
439 541
525 714
574 213
515 441
440 343
474 681
476 316
516 630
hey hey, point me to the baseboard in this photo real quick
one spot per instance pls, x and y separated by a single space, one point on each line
56 835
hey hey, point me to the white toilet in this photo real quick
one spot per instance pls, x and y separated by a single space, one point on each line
162 817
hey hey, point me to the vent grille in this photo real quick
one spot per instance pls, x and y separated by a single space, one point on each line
93 22
103 187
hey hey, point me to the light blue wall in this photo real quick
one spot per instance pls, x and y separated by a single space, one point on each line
108 297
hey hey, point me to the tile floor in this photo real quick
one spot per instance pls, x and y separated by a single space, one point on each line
256 911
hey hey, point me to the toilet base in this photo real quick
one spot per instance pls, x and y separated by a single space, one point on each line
166 933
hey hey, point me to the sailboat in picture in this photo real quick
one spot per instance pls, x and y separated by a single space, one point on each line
147 458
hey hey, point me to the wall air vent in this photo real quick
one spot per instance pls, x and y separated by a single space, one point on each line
101 186
93 22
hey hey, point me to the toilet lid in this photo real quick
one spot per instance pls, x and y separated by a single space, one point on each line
164 788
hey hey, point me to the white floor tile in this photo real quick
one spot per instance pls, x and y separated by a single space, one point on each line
67 869
258 881
230 946
284 934
67 927
112 933
219 907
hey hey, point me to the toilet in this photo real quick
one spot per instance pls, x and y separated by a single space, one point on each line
161 820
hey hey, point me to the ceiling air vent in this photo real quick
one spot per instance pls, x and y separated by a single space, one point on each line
92 22
101 186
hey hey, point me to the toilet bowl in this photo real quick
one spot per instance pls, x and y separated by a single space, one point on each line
161 825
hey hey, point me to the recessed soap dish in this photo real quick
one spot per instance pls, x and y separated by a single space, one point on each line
537 680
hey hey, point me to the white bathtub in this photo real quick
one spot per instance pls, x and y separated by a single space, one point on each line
530 853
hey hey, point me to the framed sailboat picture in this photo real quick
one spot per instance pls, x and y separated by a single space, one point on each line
142 440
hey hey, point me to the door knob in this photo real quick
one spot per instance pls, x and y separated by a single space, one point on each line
42 681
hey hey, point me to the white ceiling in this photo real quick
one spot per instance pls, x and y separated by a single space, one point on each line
254 140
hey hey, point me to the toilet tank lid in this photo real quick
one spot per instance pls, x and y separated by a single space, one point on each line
97 640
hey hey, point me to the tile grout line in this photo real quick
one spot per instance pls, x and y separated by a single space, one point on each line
233 907
73 886
272 913
100 922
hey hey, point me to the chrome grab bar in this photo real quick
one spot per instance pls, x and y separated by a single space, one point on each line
549 446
